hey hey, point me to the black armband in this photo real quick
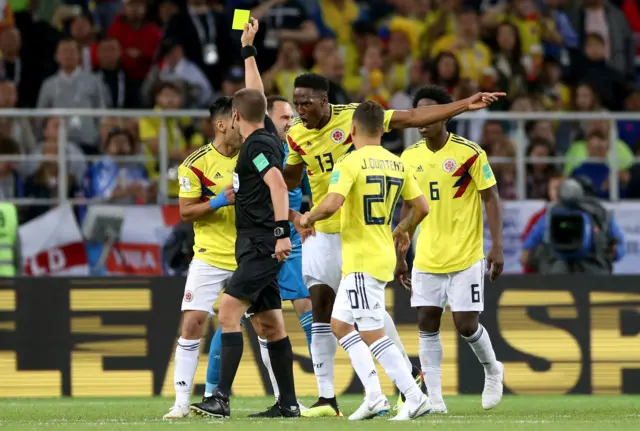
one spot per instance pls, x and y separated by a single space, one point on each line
282 229
249 51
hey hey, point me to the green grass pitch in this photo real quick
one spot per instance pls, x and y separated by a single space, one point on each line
541 412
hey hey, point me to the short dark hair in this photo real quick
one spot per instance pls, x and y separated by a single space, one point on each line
221 107
597 134
9 146
164 85
554 173
595 36
369 116
433 92
271 101
251 104
312 81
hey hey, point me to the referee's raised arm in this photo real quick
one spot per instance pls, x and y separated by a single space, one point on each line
252 78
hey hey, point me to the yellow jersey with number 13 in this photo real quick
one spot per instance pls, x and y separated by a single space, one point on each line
451 236
320 149
372 180
204 175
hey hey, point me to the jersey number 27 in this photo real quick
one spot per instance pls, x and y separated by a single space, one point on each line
384 197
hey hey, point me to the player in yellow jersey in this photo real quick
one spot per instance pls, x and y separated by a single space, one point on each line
367 184
206 193
317 139
449 266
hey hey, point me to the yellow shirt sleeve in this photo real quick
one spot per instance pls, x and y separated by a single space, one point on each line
293 158
411 190
148 129
388 114
190 186
342 179
481 173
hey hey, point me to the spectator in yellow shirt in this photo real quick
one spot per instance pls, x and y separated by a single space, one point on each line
533 27
168 96
279 79
322 51
440 21
403 42
473 55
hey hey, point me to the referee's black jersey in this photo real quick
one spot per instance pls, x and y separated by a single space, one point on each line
261 151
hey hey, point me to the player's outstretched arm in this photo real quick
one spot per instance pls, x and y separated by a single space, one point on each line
328 207
495 257
425 115
252 77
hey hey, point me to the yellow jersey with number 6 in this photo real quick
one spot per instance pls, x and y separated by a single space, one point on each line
320 149
451 236
204 175
372 180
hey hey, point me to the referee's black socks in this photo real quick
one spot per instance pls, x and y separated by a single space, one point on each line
282 364
230 356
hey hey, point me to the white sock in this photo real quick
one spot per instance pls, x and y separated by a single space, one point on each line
391 360
363 364
186 362
481 345
430 362
323 352
266 360
391 332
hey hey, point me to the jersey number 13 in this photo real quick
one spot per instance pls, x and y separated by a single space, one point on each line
386 196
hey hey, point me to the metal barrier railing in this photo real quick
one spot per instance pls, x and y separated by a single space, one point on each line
410 135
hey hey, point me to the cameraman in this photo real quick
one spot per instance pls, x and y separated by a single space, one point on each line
177 250
576 234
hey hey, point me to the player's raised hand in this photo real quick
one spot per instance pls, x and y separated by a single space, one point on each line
249 32
230 195
283 249
495 262
483 100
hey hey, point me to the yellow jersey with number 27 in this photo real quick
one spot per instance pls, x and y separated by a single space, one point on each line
320 149
451 236
372 180
204 175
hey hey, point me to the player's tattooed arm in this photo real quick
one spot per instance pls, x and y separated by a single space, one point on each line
252 77
411 214
424 115
328 207
495 257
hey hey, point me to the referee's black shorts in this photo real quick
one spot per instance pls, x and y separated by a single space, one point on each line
256 278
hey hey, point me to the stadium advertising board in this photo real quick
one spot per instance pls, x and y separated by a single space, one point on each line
116 337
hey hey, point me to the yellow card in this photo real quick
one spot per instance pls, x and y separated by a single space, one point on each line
240 18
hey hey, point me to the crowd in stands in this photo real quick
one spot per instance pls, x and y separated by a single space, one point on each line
548 55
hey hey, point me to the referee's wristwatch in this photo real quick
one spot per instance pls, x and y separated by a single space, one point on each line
282 229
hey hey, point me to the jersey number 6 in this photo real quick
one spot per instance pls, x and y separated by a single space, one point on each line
385 184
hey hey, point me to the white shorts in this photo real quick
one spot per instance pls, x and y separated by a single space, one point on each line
360 299
322 260
203 287
464 290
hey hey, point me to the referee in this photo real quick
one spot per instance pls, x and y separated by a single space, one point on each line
262 244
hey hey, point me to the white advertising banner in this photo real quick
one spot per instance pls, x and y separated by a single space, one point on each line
52 245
